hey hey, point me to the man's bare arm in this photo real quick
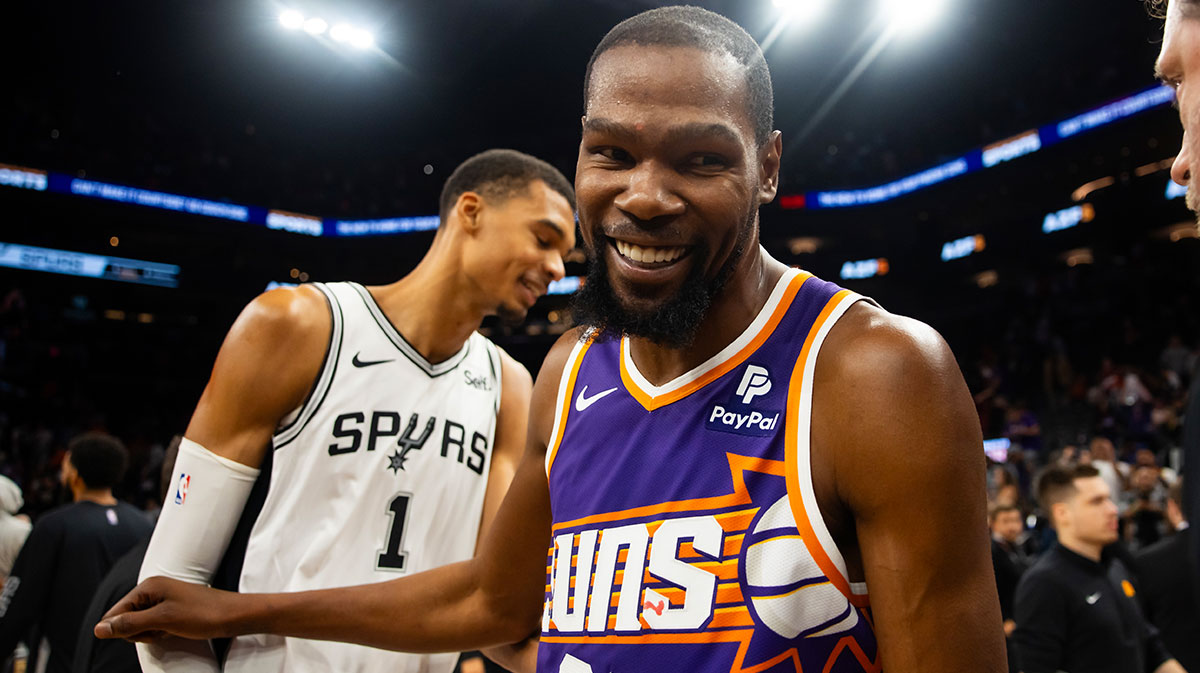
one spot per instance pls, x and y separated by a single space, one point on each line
894 417
265 368
493 599
511 435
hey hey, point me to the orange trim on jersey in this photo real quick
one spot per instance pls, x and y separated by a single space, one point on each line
795 499
565 405
651 402
738 465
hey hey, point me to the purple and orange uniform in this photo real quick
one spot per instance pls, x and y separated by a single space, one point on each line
686 533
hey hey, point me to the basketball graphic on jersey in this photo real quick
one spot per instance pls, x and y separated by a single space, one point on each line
788 591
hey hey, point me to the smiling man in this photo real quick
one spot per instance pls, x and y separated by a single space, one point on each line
736 466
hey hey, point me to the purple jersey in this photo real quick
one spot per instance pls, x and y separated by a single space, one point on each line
686 533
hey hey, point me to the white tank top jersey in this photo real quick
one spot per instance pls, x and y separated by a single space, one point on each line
380 473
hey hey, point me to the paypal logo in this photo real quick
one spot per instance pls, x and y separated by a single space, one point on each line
756 381
740 416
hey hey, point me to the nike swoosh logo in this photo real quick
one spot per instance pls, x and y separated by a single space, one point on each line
367 363
583 402
1093 598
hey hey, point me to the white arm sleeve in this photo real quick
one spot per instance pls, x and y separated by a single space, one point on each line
202 509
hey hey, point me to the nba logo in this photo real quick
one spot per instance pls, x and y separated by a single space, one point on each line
181 489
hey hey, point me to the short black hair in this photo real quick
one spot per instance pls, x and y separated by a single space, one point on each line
1057 483
99 458
498 175
1157 8
687 26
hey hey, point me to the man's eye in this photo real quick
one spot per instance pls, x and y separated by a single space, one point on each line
707 161
614 154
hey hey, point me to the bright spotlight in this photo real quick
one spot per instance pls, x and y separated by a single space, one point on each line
342 32
291 19
802 10
909 15
315 26
363 39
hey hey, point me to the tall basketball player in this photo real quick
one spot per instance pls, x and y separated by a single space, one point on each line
386 428
736 466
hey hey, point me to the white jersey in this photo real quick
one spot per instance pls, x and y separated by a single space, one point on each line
380 473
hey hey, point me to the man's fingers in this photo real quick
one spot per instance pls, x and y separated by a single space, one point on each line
139 625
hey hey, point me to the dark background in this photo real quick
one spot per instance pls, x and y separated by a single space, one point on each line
216 100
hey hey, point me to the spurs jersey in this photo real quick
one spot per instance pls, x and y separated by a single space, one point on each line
697 544
380 473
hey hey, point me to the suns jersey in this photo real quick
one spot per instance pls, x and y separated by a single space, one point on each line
379 474
690 539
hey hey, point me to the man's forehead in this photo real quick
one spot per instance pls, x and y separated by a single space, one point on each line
668 82
633 66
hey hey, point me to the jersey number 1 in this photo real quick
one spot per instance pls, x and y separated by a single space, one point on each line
391 558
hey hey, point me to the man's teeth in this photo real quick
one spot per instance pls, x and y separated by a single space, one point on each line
648 255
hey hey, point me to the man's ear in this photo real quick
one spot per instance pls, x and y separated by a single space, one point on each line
467 209
769 156
1059 512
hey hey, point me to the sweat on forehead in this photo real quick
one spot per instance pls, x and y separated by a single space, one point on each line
704 30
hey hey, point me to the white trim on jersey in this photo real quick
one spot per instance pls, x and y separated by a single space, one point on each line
803 430
296 421
752 330
402 344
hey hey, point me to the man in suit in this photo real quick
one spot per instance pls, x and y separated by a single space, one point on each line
1167 592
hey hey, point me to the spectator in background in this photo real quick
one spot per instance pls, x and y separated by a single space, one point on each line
1104 459
1075 608
1174 359
1022 428
1143 505
1009 562
68 552
119 656
1167 590
13 529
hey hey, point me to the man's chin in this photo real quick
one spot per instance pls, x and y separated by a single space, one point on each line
510 315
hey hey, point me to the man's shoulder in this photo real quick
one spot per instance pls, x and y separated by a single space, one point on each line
869 342
1168 548
1047 570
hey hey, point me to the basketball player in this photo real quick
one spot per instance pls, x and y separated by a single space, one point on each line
724 461
1179 67
387 428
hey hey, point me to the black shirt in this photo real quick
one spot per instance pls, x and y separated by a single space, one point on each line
1169 597
110 656
1074 614
68 552
1009 564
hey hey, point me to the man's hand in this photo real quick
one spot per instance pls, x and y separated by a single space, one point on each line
161 606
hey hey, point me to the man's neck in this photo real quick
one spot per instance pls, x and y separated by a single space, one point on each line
732 311
432 310
100 496
1089 550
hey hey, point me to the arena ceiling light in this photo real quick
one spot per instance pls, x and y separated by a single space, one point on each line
801 11
912 15
342 32
291 19
315 26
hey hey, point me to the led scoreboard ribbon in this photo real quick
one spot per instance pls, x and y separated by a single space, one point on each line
997 153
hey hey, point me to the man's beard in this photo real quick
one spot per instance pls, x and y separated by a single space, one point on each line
1192 197
675 322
